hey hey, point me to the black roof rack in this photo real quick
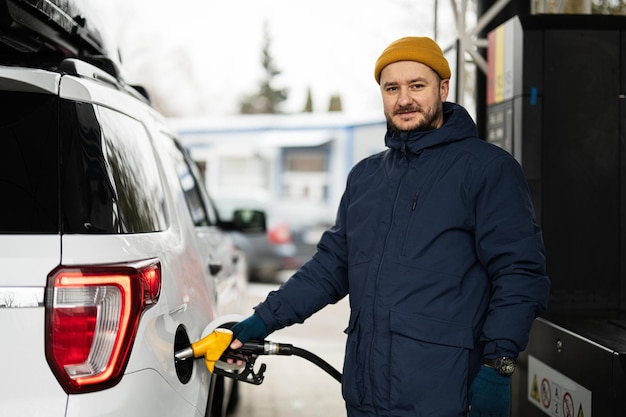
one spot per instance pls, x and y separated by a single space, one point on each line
83 68
53 33
51 27
101 69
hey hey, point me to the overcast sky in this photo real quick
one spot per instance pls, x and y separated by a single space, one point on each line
205 55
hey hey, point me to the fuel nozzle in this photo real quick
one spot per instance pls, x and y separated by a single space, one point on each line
211 347
246 355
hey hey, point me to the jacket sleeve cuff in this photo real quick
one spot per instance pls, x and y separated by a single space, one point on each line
498 348
264 314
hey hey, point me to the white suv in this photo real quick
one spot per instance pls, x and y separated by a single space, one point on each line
112 255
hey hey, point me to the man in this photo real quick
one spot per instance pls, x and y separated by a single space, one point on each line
436 245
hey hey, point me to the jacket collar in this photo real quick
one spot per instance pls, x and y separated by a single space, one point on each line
457 125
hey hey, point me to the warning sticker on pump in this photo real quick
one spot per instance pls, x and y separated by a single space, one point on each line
554 393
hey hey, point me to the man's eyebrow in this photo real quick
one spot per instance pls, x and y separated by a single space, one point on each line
413 81
418 80
389 84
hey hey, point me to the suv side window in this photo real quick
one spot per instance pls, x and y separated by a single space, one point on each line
199 207
110 180
28 163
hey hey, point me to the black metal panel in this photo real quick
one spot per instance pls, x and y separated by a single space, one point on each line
581 208
622 141
573 143
532 116
589 352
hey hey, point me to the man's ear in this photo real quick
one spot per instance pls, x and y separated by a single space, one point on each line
444 89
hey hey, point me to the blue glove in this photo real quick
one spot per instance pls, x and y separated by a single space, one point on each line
251 328
490 394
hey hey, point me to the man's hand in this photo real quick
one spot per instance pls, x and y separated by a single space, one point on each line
236 344
250 328
490 394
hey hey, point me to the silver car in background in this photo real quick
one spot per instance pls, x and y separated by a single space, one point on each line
293 230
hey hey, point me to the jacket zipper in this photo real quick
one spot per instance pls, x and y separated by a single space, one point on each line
374 304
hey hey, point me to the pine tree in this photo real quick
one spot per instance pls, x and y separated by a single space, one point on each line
268 99
335 103
308 106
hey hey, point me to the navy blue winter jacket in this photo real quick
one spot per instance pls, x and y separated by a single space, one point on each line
436 245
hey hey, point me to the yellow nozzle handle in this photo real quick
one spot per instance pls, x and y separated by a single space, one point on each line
212 346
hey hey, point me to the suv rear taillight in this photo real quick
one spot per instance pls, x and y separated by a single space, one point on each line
92 315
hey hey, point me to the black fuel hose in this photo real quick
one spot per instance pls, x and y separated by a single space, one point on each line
265 347
311 357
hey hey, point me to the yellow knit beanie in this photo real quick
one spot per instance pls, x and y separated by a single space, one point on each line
414 48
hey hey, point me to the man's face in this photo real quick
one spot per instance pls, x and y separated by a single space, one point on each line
413 96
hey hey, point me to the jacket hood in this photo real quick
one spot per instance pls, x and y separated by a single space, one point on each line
457 125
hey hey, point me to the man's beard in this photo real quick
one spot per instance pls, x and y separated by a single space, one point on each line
429 121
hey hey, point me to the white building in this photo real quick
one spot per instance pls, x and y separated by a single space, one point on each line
302 157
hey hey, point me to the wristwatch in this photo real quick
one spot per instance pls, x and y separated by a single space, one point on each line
505 365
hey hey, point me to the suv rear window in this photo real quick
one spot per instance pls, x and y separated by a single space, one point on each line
28 163
110 182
